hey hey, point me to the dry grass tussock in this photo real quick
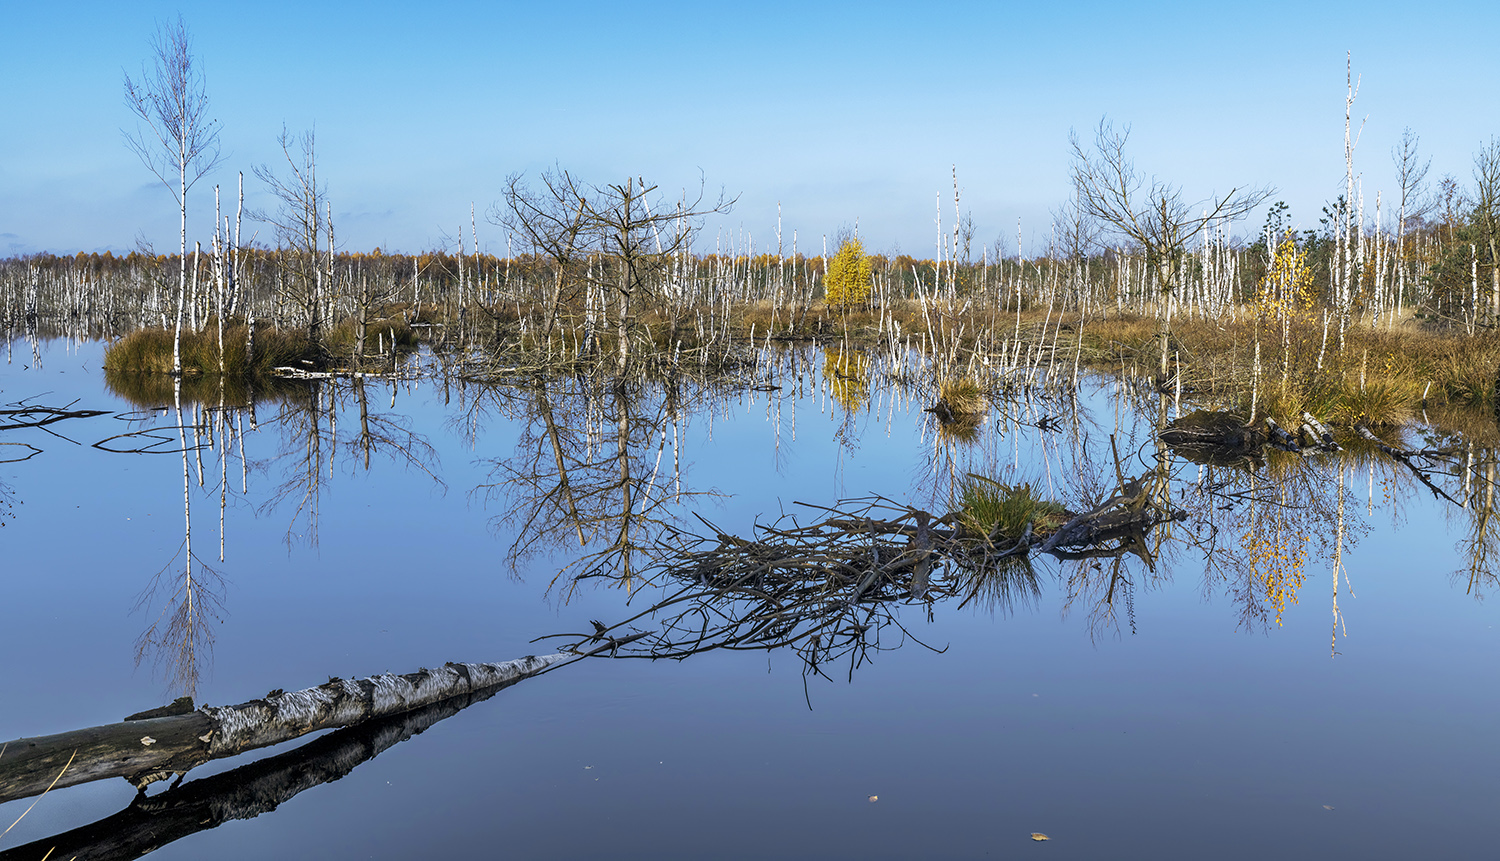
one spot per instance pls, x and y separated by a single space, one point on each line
342 339
149 351
1378 378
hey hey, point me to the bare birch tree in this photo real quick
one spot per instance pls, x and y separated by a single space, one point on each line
630 241
1149 213
179 141
1411 176
303 225
1487 211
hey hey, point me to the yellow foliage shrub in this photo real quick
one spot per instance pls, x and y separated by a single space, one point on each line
848 278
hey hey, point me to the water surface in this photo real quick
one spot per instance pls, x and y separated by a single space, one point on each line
1183 726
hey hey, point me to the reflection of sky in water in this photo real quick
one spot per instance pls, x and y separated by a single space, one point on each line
1187 739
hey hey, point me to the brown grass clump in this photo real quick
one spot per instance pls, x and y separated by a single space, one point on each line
1378 378
341 340
962 395
149 351
1380 402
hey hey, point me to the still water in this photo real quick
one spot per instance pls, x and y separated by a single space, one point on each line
1181 720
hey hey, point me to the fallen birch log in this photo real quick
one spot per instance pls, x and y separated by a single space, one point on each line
151 822
149 749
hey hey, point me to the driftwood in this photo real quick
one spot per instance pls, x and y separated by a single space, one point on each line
1320 432
825 590
1224 438
154 748
302 374
150 822
1124 518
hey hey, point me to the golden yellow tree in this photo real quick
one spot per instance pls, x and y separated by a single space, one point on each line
1287 294
848 278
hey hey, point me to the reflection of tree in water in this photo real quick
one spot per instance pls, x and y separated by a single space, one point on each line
180 640
188 592
848 375
592 465
311 445
1259 528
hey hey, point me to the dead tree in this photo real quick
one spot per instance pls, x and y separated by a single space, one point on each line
304 232
629 236
150 822
1150 214
179 142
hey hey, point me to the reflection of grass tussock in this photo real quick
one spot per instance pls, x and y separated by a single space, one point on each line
962 428
1002 511
149 351
150 391
1004 583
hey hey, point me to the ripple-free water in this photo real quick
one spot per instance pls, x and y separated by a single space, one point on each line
1177 731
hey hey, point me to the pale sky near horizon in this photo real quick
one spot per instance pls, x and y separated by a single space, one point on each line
839 112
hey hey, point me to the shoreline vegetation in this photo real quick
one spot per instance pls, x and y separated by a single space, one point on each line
1381 377
1352 324
1253 357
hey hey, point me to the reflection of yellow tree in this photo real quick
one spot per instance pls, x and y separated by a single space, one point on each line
848 375
1276 552
1281 515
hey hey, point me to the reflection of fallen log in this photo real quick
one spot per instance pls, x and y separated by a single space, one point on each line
303 374
1223 439
151 822
1405 457
1218 438
154 748
1118 524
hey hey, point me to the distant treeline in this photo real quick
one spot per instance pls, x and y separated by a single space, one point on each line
1441 269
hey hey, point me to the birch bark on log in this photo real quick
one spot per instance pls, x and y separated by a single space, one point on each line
144 751
151 822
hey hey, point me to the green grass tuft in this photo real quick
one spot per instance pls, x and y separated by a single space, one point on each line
1002 511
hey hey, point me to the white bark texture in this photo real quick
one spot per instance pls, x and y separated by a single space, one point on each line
151 747
345 702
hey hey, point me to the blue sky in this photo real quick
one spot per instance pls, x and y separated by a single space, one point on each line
837 111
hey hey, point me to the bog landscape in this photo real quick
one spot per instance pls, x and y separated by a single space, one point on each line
1168 537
